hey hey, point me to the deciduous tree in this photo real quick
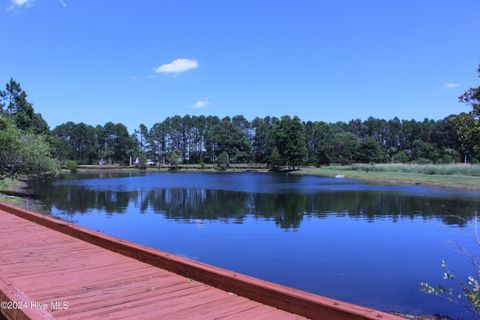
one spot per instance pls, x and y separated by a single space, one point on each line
23 153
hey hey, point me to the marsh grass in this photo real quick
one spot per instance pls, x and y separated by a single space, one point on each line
430 169
449 176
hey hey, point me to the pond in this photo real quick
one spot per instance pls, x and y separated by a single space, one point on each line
364 243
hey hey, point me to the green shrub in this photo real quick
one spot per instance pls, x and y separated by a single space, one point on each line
142 161
71 165
401 157
223 160
174 159
449 156
423 161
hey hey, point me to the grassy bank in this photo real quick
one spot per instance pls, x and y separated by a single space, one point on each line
17 192
9 185
430 169
452 176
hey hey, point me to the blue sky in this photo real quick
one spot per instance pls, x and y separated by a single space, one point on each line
141 61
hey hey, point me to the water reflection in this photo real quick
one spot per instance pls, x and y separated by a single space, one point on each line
287 206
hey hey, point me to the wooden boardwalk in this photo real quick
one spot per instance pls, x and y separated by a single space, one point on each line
50 269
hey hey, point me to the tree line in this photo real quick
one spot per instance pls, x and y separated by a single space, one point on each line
278 142
284 142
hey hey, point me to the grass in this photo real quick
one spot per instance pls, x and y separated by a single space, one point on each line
10 185
25 201
432 169
452 176
13 201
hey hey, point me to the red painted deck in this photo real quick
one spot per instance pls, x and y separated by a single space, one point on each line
44 260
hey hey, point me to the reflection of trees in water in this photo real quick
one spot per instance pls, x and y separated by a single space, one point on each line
287 210
74 199
198 204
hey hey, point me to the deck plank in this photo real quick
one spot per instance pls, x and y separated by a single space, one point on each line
100 284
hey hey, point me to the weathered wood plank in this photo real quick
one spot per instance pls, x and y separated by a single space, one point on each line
10 293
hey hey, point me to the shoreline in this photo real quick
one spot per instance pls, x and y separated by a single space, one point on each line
153 169
18 192
457 182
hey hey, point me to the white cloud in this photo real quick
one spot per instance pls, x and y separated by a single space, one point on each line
202 103
450 85
20 3
177 66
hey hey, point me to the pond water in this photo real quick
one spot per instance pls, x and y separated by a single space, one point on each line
364 243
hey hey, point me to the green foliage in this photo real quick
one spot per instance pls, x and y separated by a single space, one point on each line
319 143
86 144
401 157
78 142
115 142
467 127
142 161
289 139
223 160
423 161
424 150
225 136
203 138
71 165
142 136
174 158
370 150
343 148
263 142
17 107
23 153
449 156
472 97
275 160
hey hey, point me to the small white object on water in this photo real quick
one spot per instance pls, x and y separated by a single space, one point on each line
339 176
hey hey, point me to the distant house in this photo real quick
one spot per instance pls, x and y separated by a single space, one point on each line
149 162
